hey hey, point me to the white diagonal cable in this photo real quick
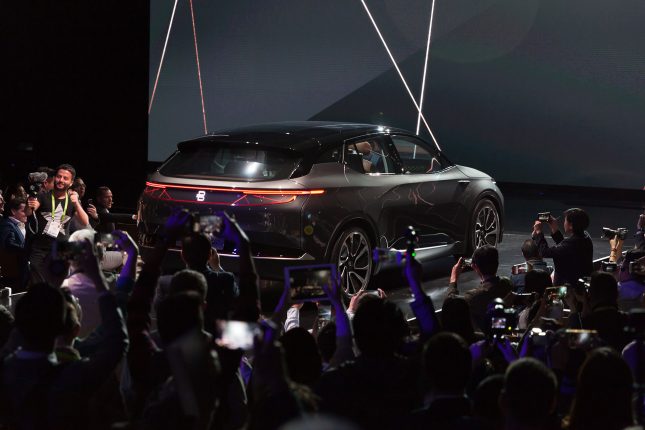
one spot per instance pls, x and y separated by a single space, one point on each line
425 67
163 54
396 66
199 69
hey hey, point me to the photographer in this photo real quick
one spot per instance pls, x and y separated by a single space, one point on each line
53 209
485 262
631 280
102 219
573 256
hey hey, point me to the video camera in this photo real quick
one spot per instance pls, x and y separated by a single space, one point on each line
610 233
36 180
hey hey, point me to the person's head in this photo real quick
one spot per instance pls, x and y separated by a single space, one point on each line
536 281
364 147
530 250
72 324
79 186
40 316
16 209
48 185
529 393
64 179
486 400
189 280
447 363
576 221
603 289
637 256
455 318
104 197
196 250
486 260
178 314
603 394
301 356
379 327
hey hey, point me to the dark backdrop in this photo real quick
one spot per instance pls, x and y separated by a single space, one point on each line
74 90
531 91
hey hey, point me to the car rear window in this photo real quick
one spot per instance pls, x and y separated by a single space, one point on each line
232 163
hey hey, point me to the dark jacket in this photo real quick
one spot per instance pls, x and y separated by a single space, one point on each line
41 392
572 257
107 220
11 238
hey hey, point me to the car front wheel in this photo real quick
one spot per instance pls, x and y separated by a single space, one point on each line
352 254
485 225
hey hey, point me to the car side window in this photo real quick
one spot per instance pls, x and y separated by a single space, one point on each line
369 155
415 157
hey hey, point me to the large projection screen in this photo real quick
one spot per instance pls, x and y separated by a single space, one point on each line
546 92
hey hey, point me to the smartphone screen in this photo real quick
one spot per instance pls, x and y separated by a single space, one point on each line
306 283
236 334
210 224
498 323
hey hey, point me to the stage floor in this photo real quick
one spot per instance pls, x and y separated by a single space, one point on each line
519 213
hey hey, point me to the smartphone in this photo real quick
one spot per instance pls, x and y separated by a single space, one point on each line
305 283
236 334
544 216
582 339
324 315
498 323
388 257
90 201
556 292
208 224
107 240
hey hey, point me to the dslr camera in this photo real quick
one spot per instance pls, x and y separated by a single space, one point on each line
609 233
36 180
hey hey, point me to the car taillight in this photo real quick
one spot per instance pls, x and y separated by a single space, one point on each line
226 196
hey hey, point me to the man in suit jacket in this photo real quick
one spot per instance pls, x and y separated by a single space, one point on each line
12 226
101 218
573 256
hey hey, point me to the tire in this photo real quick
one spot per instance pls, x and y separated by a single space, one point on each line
352 255
484 228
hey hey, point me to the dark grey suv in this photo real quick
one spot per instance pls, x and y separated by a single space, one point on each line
311 192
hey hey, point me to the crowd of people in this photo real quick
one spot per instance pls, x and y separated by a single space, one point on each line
101 340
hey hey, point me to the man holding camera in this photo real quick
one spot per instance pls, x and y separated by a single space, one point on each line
53 210
573 256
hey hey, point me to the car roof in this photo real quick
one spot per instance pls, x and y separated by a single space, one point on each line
300 136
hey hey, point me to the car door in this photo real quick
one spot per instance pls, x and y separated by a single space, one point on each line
433 189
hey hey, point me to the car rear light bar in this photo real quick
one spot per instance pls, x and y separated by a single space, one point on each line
252 191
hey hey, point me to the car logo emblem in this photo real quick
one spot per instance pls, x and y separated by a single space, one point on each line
201 196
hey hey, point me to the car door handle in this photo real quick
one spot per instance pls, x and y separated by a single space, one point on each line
463 182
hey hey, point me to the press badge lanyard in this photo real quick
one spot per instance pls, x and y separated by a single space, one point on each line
64 209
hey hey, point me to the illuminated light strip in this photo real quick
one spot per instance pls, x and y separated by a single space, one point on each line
291 198
396 66
163 54
256 191
199 71
425 68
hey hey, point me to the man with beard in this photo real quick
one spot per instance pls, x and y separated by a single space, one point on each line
53 211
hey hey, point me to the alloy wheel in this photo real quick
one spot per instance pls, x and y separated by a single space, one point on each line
354 262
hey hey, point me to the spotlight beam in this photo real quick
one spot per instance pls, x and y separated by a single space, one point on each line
199 71
425 67
396 66
163 54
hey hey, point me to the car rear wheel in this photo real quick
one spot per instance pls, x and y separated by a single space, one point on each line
352 254
485 226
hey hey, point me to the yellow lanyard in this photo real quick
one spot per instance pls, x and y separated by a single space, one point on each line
64 210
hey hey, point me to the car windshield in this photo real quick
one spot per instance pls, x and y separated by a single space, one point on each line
232 163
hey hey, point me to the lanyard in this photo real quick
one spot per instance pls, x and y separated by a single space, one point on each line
64 210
